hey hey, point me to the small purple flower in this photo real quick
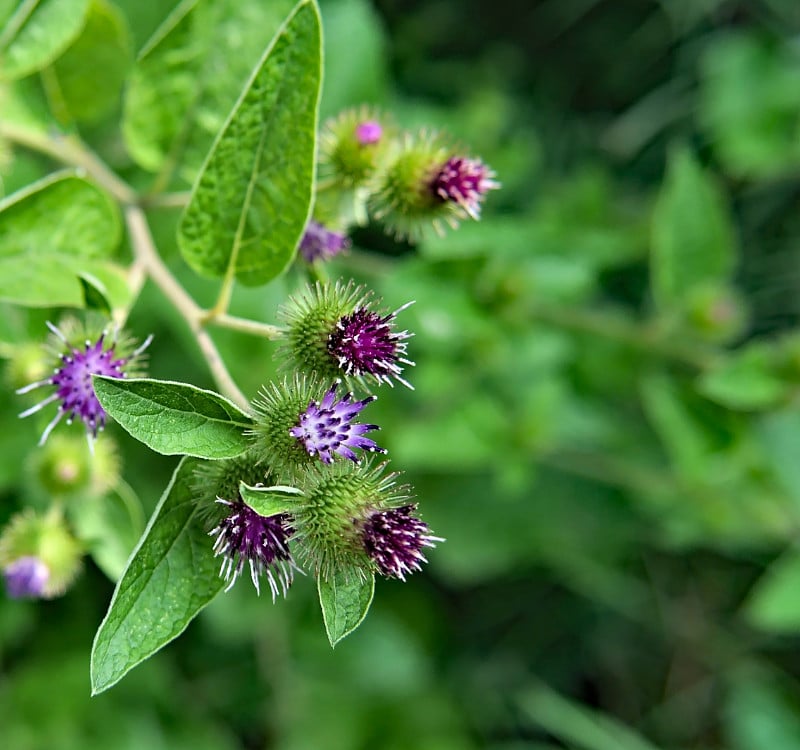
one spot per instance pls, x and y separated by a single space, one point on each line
26 578
73 382
245 536
394 540
327 428
319 243
364 343
464 181
369 132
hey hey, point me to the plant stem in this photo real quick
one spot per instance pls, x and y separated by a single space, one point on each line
264 330
190 311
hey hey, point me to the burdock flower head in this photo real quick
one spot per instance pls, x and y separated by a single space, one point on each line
424 184
262 542
320 243
39 557
299 423
394 540
336 330
72 379
352 520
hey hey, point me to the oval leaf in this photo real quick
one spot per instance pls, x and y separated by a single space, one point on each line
251 200
345 601
170 577
269 501
774 602
37 34
693 241
175 418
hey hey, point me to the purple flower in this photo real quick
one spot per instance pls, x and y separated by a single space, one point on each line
464 181
327 428
369 132
394 540
26 578
364 343
245 536
319 243
73 382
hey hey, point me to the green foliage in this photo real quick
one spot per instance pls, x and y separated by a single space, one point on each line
170 577
176 418
267 147
345 600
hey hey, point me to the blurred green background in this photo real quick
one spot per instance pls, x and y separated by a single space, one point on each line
605 426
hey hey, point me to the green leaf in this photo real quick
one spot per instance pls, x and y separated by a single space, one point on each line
59 215
175 418
170 577
575 725
251 200
345 600
54 234
269 501
774 602
189 75
693 241
37 34
744 380
87 79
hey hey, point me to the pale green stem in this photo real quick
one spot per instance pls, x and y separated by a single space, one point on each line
264 330
144 248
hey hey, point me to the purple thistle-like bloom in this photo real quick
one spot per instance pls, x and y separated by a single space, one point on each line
73 383
464 181
369 132
26 578
320 243
327 428
245 536
364 343
394 540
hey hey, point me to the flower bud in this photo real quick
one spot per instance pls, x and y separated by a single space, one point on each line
717 313
321 243
352 146
38 555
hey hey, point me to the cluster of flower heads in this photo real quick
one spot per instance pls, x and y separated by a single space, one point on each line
407 181
344 514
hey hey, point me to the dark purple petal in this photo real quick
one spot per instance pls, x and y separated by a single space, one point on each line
394 540
365 343
465 182
26 578
262 541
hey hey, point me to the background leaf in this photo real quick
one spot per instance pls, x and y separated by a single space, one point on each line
345 600
86 82
251 200
32 39
170 577
693 242
189 75
269 501
175 418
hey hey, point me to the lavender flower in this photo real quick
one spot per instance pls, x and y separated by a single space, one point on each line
394 540
364 343
245 536
327 428
73 382
369 132
319 243
464 181
26 578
